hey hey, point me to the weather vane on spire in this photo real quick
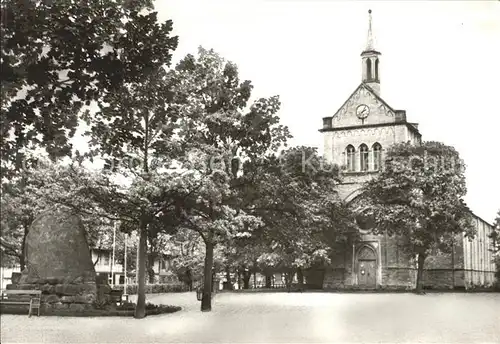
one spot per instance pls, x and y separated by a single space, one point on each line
369 43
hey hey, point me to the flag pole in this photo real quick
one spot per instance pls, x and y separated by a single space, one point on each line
125 269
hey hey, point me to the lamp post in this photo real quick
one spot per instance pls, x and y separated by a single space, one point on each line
137 266
125 269
113 258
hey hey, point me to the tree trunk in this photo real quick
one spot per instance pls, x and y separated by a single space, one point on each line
269 278
254 280
420 273
22 257
239 279
140 309
289 279
213 286
189 279
22 262
229 284
151 271
246 279
206 301
300 278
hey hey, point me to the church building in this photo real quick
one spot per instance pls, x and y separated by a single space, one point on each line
356 137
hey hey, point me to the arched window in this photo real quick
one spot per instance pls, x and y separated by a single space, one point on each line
350 153
377 156
366 253
363 157
376 69
368 69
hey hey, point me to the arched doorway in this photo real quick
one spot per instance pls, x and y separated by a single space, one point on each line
366 267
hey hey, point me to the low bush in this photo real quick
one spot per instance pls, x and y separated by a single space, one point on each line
126 306
124 310
156 288
101 304
150 308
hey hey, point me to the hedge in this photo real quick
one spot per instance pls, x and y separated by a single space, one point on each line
92 312
155 288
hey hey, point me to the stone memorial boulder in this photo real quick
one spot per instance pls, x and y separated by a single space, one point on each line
58 258
57 251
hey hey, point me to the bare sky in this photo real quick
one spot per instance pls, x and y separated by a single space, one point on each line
440 62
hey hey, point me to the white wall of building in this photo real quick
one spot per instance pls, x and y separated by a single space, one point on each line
5 275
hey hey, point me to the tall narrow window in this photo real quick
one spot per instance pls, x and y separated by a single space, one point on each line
368 69
350 152
363 157
376 69
377 156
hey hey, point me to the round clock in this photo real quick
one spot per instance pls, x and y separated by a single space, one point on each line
362 111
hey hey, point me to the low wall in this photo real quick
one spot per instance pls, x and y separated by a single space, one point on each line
335 278
400 277
405 278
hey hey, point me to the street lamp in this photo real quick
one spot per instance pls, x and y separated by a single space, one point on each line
125 269
137 266
113 257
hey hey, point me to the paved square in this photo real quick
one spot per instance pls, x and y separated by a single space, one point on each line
282 318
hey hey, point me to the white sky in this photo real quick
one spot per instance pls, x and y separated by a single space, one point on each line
440 62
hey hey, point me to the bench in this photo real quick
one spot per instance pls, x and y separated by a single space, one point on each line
22 297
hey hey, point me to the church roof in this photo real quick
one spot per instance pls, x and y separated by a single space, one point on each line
363 85
480 218
411 126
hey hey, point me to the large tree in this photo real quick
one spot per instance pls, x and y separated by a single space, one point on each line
134 132
222 131
187 249
59 57
241 255
418 196
147 204
295 195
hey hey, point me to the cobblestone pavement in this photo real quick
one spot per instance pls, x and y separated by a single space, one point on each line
282 318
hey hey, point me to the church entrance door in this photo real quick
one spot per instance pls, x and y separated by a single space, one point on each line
367 273
367 267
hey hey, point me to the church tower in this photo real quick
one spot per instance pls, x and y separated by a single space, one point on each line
356 138
370 59
359 133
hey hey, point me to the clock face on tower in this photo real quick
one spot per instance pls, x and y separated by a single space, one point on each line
362 111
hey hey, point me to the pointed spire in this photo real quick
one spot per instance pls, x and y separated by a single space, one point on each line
369 42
